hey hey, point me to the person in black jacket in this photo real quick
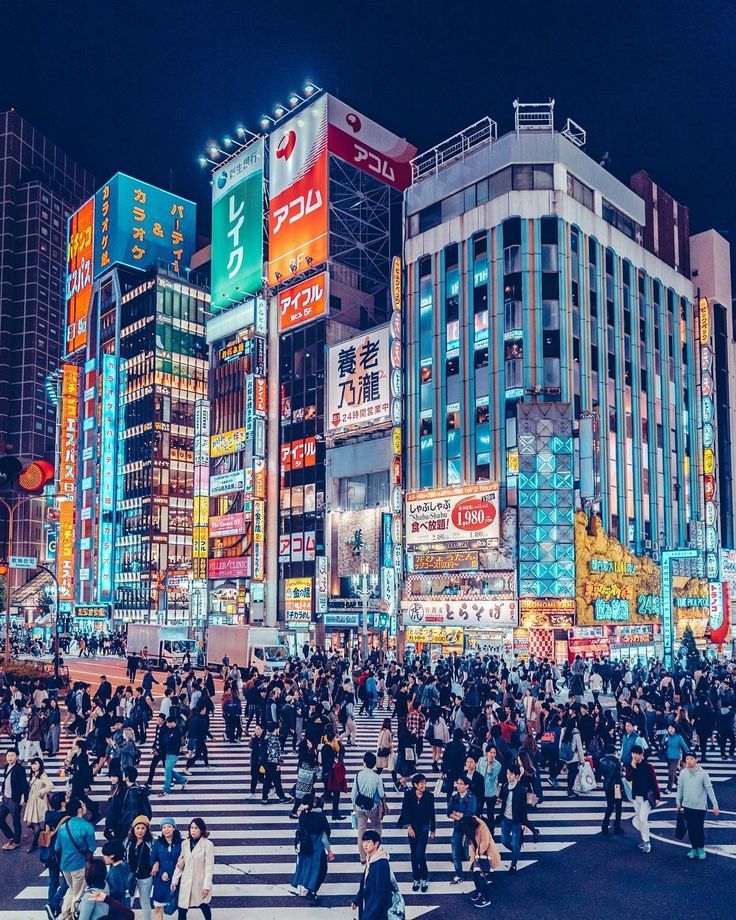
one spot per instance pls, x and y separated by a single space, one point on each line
453 761
513 813
14 793
199 730
610 767
257 745
135 801
417 816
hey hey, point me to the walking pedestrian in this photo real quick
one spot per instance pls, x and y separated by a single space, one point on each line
462 803
307 774
194 871
418 817
369 801
272 765
571 753
484 857
37 802
675 750
257 745
513 813
138 854
75 840
14 793
165 855
645 792
384 746
375 895
314 850
490 769
694 791
171 748
610 770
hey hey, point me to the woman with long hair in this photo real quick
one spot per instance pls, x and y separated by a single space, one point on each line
384 746
194 870
138 852
52 717
37 802
313 847
307 773
571 753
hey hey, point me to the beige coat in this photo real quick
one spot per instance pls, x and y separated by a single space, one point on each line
196 874
385 740
38 803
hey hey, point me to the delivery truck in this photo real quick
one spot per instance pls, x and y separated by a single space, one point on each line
165 645
261 647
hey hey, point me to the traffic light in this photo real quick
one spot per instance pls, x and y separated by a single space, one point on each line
35 475
3 570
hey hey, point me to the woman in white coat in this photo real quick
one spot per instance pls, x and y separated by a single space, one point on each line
194 871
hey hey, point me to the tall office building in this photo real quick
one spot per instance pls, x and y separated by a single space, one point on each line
136 365
302 456
553 365
40 186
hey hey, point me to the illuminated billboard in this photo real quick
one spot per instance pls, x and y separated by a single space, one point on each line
365 144
137 224
108 439
455 517
303 302
358 385
237 227
79 257
298 218
65 552
69 443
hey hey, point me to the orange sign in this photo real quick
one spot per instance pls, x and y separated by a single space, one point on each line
298 224
303 302
68 451
65 551
298 217
80 244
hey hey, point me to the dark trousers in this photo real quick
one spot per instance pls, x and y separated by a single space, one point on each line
335 803
695 820
491 812
482 884
205 908
572 773
155 761
9 807
254 712
725 734
272 779
703 741
418 848
200 751
613 807
255 778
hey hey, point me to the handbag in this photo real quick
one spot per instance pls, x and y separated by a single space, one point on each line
172 905
680 826
532 799
627 789
409 754
383 752
438 786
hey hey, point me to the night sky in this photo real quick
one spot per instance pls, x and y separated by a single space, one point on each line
140 86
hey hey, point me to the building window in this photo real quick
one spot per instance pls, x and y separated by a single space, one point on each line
512 259
579 191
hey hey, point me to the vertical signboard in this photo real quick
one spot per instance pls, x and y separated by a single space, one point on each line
200 534
321 585
79 257
259 536
237 227
710 478
107 466
298 218
397 414
303 302
137 224
68 468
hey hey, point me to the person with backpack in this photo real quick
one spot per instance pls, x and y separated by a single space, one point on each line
369 801
135 801
312 842
610 771
376 893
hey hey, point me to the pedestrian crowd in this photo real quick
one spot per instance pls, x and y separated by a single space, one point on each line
491 736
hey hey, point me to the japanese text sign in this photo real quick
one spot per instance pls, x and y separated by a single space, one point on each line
358 385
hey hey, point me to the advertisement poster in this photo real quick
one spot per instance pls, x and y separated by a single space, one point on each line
358 383
79 254
457 515
303 302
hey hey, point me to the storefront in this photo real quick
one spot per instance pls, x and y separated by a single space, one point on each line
635 644
483 625
544 625
435 640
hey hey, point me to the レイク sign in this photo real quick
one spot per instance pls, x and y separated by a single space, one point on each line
458 515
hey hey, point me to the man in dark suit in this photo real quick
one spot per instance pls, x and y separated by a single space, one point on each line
14 793
104 691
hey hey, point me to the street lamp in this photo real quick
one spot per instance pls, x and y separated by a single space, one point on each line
50 571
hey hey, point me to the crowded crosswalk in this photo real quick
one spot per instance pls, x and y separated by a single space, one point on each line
254 843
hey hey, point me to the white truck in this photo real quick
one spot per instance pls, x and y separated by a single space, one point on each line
166 645
261 647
